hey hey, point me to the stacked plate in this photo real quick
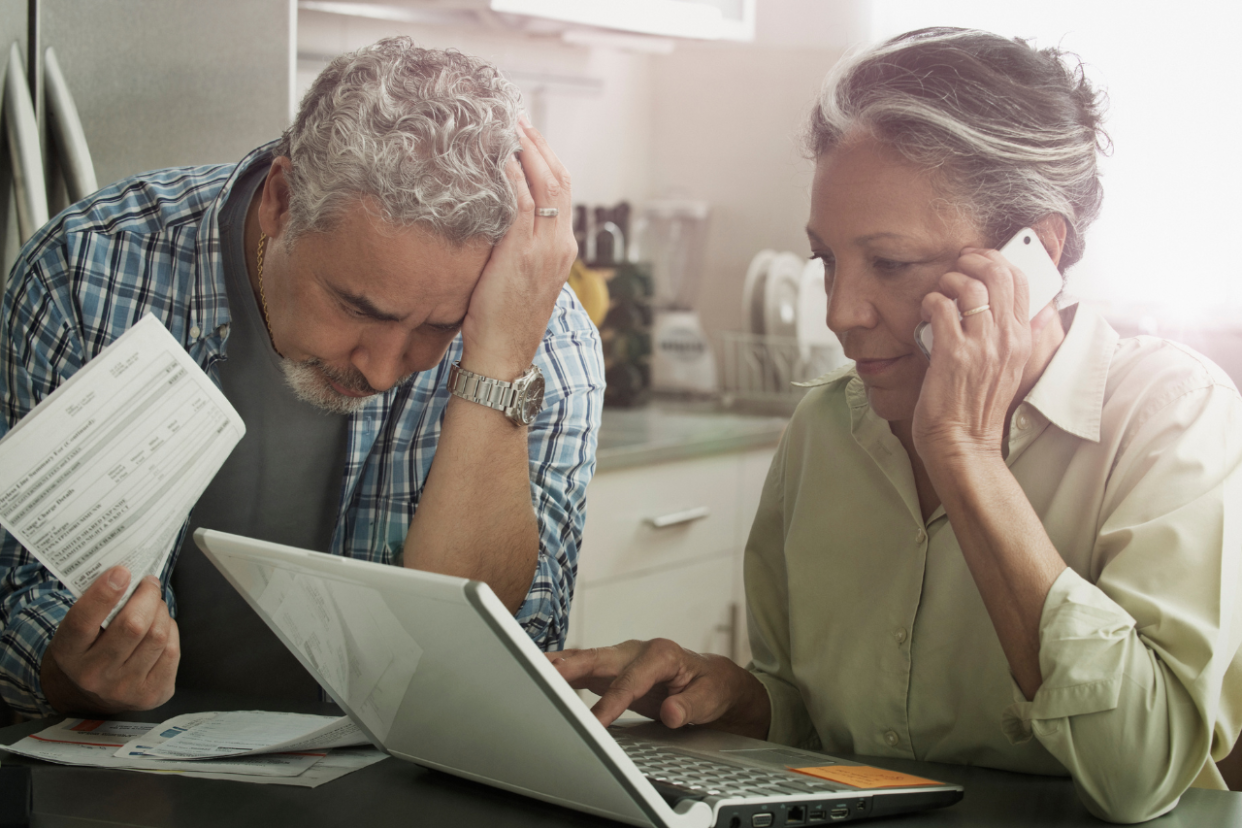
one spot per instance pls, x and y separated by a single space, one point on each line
783 296
785 310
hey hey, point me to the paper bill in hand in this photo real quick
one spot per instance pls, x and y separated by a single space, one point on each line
107 468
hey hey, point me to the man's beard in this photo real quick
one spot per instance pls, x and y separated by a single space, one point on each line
309 381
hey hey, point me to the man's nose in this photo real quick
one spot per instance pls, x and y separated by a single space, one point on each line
382 356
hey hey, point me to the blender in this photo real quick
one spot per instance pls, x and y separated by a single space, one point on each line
671 236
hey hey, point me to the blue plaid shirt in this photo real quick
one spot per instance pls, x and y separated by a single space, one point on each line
152 244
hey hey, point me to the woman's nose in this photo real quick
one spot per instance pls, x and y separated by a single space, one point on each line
849 305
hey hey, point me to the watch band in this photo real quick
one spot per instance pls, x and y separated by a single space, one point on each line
519 400
468 385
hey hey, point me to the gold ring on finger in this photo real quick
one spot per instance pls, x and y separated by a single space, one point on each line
547 212
973 311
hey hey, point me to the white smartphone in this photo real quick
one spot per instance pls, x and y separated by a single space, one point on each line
1025 252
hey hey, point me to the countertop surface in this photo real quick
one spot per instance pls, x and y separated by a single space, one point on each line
397 793
666 431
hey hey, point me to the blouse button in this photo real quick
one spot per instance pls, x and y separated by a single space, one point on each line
920 536
891 739
1024 422
195 331
900 635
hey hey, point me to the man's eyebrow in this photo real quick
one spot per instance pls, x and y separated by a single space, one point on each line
446 327
365 306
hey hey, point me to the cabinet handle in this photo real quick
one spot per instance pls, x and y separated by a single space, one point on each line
678 518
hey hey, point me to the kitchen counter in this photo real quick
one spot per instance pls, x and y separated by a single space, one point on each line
398 793
665 431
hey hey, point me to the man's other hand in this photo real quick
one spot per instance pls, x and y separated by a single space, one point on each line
666 682
515 296
131 665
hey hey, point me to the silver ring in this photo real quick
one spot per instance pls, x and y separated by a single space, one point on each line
547 212
973 311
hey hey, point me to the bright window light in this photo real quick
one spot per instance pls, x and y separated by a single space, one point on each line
1168 236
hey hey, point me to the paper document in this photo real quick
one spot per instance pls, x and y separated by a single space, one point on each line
242 733
94 743
106 469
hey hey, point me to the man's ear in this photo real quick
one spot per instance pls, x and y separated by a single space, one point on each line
274 206
1052 231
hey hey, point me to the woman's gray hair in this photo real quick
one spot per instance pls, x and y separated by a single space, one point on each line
425 133
1013 131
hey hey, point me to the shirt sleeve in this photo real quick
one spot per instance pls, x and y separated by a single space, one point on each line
562 443
767 613
38 350
1142 682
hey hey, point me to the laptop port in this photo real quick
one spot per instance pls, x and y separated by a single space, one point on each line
840 812
761 820
796 816
816 814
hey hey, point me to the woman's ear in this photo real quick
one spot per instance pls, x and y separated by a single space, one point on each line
1052 231
274 206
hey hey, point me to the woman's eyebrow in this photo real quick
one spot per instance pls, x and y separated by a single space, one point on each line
860 240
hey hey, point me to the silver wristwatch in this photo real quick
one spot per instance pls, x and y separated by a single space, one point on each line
520 400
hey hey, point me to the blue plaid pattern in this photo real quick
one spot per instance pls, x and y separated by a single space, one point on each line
151 244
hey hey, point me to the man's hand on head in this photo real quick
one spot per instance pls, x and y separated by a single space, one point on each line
511 305
131 665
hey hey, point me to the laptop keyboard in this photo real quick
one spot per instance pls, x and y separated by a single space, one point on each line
705 777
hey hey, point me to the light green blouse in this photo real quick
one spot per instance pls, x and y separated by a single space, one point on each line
871 637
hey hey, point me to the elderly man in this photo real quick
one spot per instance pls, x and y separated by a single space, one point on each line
381 296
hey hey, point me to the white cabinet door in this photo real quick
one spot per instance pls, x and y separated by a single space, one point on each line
691 604
620 537
682 582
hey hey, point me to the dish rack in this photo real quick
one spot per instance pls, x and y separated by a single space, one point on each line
762 369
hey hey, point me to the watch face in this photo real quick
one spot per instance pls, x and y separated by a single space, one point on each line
532 403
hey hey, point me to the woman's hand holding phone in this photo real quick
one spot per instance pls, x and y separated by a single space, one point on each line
981 313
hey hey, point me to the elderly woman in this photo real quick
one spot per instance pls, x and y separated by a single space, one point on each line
1023 553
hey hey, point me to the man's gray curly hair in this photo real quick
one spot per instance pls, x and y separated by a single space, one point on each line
423 132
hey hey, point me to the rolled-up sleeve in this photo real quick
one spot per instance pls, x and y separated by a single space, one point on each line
562 444
1142 683
37 352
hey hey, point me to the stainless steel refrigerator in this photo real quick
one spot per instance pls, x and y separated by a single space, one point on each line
156 83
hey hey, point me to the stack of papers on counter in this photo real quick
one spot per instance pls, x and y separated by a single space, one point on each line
244 746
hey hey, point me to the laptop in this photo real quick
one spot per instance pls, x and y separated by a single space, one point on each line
436 671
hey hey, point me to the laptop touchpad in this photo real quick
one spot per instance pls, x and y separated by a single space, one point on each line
777 756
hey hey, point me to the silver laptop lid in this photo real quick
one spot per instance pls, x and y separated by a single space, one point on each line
436 671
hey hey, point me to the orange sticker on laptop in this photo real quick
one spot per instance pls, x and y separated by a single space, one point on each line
865 776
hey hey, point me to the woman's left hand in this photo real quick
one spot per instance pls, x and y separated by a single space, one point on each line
978 361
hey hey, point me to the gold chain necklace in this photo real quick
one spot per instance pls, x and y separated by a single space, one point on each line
263 296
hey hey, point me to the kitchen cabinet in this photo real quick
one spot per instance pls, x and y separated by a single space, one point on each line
668 513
